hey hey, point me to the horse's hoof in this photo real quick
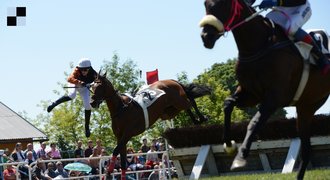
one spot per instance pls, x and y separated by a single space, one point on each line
238 163
230 149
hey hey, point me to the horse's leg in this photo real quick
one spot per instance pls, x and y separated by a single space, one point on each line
180 103
123 159
121 144
201 117
265 110
192 117
305 115
240 99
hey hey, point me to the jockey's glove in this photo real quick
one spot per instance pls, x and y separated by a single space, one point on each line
268 4
86 85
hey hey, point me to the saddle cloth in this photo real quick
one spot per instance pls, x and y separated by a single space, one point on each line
145 97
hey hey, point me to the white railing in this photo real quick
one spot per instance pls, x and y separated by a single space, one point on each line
100 175
162 170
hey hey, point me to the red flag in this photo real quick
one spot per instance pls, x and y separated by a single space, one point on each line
152 76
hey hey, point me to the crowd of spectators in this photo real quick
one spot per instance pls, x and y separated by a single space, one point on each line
56 170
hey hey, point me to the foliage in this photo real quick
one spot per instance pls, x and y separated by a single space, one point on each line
65 125
221 76
66 122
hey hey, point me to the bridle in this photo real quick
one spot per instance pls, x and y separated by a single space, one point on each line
235 12
100 100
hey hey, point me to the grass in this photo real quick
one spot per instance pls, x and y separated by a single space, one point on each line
317 174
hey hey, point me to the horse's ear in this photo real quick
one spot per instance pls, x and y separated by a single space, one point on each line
105 74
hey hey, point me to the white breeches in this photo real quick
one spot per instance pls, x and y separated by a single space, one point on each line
291 18
84 93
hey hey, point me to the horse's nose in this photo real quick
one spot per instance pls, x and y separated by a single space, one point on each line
207 40
93 104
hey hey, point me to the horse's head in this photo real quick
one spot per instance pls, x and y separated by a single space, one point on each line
221 16
102 89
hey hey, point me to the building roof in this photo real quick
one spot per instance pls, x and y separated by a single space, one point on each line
13 126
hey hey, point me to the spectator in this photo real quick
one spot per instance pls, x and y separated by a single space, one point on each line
60 171
6 156
29 147
79 152
155 174
17 154
104 162
9 173
50 171
131 160
154 142
160 149
38 171
55 153
48 155
41 153
75 174
29 157
89 149
152 158
94 163
141 158
99 147
145 148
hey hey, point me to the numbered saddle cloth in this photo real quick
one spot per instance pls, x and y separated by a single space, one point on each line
145 97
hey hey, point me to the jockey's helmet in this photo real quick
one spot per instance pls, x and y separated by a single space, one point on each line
84 63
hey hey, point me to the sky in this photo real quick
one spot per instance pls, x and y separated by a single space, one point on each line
154 34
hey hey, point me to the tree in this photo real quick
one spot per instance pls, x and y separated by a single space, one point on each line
67 119
224 75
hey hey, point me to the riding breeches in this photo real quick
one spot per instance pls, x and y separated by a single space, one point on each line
291 18
84 93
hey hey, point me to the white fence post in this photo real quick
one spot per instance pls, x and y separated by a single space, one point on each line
292 156
205 153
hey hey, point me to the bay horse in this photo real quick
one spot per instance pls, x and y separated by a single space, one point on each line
269 69
129 118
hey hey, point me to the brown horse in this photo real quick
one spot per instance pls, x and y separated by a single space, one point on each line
130 119
269 70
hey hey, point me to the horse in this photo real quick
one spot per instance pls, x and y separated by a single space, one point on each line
164 98
269 70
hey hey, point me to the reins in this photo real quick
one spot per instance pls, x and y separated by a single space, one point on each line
236 9
121 107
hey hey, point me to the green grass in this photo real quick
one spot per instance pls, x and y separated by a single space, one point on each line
317 174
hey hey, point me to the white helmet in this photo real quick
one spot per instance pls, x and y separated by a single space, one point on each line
84 63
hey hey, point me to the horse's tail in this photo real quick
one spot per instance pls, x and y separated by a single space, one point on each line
194 90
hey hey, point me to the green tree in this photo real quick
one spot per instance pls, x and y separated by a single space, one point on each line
66 122
224 76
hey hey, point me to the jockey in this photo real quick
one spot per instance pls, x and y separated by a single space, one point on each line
80 79
291 15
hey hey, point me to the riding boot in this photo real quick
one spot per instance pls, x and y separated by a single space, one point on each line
87 119
322 61
57 102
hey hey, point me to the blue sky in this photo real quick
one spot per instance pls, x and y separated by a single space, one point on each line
155 34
